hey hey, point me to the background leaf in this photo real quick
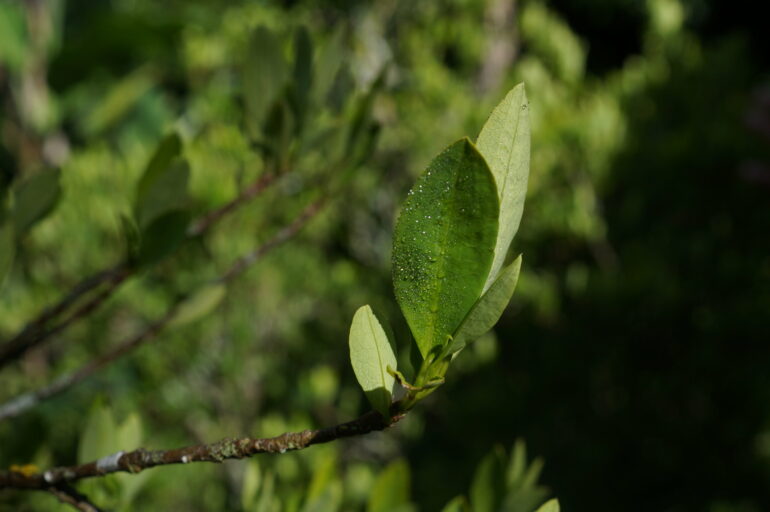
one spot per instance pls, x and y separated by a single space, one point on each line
167 192
391 488
370 355
488 483
443 243
163 236
7 250
199 304
98 438
168 149
264 76
550 506
504 142
458 504
35 197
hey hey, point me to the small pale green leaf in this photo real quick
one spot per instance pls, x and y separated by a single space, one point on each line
169 148
34 198
99 435
370 354
7 250
444 243
199 304
488 309
504 142
167 192
264 76
488 483
550 506
391 488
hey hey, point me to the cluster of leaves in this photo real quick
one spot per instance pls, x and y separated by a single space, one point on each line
449 246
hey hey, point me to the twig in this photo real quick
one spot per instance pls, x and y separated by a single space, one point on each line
70 496
283 235
26 401
201 225
139 460
38 330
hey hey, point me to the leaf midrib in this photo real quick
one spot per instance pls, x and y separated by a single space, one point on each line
369 315
442 262
510 155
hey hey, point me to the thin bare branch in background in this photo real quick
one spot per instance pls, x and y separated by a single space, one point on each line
70 496
39 329
26 401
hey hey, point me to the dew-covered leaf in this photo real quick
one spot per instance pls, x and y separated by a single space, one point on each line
488 309
504 142
370 354
444 243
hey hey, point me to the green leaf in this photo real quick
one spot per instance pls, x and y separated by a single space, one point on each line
7 250
488 483
518 464
458 504
488 309
118 102
264 76
327 65
550 506
251 480
169 148
391 488
199 304
35 198
129 434
166 193
266 502
303 73
163 236
504 142
444 242
370 354
129 437
98 436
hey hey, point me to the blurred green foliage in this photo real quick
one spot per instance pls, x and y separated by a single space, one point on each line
634 357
